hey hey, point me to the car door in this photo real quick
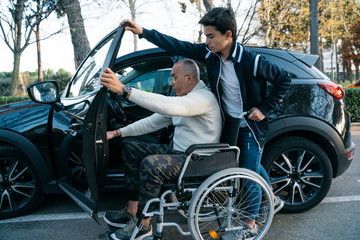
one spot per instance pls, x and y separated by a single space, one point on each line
85 84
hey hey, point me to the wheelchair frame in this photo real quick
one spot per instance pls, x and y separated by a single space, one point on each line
229 219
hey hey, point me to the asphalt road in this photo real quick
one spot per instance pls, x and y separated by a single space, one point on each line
337 217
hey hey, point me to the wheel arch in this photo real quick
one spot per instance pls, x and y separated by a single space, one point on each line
18 141
312 129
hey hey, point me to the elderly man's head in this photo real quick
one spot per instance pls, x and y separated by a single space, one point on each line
185 75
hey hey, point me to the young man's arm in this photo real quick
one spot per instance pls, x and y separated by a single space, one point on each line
279 78
168 43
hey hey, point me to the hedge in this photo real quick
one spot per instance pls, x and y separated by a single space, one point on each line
7 100
352 101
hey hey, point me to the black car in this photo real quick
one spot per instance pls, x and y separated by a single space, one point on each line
56 143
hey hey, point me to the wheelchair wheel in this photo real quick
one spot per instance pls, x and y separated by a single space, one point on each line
224 201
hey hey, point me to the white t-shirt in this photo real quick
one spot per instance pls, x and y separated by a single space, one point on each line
231 90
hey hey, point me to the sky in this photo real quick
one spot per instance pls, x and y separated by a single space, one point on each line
57 51
99 20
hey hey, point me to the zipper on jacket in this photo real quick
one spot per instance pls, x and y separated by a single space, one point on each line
222 113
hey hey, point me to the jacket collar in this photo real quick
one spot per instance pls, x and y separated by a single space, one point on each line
236 52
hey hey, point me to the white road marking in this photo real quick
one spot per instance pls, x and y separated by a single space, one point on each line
49 217
68 216
341 199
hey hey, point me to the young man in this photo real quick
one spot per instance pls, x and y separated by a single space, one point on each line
238 78
195 114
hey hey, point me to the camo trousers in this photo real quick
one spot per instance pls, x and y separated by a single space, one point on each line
147 166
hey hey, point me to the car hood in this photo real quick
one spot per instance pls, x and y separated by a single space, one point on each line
18 106
16 116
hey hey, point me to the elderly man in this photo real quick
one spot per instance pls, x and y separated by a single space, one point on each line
195 114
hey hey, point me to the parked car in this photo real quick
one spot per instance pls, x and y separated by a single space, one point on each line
356 84
57 142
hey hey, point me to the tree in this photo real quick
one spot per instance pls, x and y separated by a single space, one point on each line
18 20
43 9
314 29
285 24
355 30
11 25
79 38
135 7
132 6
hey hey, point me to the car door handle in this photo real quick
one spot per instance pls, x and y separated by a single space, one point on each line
99 141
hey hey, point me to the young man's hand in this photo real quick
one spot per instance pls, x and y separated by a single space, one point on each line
111 82
256 115
132 26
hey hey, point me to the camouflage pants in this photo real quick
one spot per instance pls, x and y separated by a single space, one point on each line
147 166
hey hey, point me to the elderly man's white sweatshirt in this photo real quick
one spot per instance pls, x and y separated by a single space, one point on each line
196 116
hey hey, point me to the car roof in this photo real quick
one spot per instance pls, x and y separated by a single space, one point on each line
291 56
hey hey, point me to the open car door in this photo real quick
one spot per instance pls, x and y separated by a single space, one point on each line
95 145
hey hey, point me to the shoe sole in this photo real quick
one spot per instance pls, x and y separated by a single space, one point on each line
145 235
138 238
116 225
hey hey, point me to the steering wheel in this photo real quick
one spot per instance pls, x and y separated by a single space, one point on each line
115 107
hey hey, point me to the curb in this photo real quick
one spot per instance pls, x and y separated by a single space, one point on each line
355 124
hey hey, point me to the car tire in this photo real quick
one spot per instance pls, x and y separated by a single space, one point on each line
20 188
76 165
300 172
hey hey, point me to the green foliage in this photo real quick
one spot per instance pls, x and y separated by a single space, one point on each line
352 101
7 100
61 76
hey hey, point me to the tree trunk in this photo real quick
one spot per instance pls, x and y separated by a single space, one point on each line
38 48
209 4
314 30
16 78
321 57
77 30
133 17
337 64
357 71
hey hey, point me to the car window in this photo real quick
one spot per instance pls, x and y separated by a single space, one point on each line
144 82
86 79
294 70
166 81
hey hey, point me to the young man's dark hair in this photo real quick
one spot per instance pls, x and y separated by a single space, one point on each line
223 19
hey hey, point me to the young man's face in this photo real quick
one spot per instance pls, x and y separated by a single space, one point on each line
215 40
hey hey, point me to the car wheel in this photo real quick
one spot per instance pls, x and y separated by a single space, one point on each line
75 164
20 189
300 172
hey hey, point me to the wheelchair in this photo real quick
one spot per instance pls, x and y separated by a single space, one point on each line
213 193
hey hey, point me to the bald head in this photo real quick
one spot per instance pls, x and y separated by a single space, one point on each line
190 67
184 76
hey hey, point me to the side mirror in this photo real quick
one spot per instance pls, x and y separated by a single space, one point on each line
44 92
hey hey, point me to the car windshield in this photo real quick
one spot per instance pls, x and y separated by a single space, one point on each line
87 78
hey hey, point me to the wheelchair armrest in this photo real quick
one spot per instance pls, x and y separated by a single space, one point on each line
205 146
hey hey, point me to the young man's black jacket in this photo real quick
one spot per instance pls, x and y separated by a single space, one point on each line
251 69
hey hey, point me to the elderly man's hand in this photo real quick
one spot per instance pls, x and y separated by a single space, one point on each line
111 82
113 134
256 115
